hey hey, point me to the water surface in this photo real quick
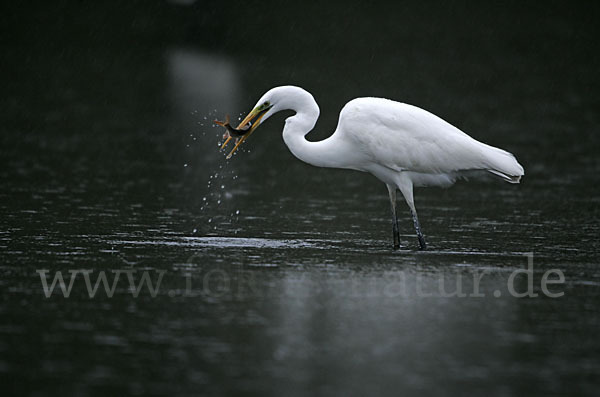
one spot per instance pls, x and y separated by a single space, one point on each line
278 277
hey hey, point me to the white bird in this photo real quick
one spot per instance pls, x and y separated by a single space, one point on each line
402 145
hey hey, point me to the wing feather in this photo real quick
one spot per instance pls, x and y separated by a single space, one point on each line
403 137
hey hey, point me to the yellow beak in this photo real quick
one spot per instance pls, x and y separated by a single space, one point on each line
255 112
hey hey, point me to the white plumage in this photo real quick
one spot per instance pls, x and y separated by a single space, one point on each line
401 144
407 138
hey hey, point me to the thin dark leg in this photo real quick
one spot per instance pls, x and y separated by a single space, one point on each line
395 229
396 232
422 244
406 187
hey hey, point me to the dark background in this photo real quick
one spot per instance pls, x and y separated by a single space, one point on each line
110 160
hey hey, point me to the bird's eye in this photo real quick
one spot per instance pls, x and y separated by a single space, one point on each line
266 104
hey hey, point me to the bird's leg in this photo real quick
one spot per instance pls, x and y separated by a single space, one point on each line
406 187
422 244
395 230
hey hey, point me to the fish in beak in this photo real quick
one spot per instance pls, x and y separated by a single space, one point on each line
231 132
244 129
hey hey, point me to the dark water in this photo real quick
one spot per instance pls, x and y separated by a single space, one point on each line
288 285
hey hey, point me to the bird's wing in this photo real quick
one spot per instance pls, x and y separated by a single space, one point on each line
407 138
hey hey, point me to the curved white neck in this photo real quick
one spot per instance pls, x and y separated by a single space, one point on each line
322 153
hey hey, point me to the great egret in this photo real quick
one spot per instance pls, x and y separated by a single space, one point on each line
400 144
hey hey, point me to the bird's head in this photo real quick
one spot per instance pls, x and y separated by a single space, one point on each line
261 111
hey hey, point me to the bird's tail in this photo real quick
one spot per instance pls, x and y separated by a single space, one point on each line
503 164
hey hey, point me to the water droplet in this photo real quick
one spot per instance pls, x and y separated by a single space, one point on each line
237 212
222 186
210 220
185 165
203 198
194 231
218 201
